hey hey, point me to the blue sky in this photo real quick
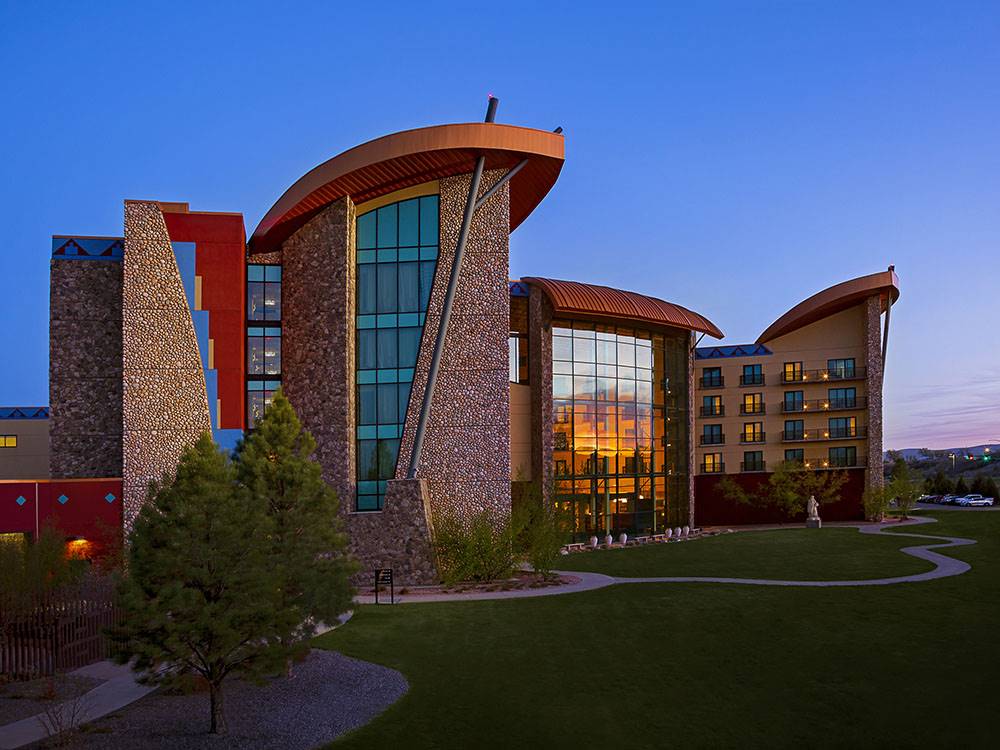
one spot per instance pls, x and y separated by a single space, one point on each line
733 157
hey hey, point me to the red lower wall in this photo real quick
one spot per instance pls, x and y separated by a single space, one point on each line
713 509
87 514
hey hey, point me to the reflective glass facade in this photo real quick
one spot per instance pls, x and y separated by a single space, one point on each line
263 348
620 411
397 250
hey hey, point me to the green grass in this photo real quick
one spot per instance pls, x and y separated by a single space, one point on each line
699 665
828 554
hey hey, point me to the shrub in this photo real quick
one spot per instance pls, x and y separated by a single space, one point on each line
478 548
539 532
876 503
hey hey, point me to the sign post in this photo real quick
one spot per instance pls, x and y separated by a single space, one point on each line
383 577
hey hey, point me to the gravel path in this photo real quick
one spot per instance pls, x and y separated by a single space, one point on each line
327 695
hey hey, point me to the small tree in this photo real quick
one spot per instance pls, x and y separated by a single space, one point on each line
876 501
36 567
539 529
940 484
789 487
201 591
307 547
961 488
903 488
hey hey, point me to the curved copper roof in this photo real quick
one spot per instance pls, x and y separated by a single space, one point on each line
574 298
833 300
412 157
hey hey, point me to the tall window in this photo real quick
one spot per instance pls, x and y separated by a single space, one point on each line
753 403
397 250
711 377
840 368
8 441
794 429
843 427
517 357
795 455
792 372
712 464
711 434
619 420
843 456
753 461
711 406
752 375
793 401
753 432
263 338
842 398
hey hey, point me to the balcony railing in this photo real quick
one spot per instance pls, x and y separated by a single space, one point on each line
757 379
712 468
824 462
719 439
824 404
713 411
824 376
752 437
747 466
746 409
711 381
810 436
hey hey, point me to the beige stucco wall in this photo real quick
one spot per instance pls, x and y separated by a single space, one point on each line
30 459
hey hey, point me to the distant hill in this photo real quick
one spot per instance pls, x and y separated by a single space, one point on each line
917 454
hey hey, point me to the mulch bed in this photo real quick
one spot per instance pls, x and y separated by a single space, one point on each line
522 580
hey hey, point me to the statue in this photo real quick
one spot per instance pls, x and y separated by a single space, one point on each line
813 520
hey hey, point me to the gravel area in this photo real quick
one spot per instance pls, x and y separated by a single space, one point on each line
327 695
19 700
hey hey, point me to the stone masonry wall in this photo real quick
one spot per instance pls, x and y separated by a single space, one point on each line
466 451
873 361
164 399
85 368
540 378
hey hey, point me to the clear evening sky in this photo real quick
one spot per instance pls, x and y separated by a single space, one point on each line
732 157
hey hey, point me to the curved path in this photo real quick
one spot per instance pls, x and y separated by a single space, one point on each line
944 567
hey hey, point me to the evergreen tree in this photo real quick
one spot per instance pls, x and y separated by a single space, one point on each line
941 484
308 550
961 488
200 595
991 489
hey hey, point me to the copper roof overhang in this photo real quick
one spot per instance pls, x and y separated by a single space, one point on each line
412 157
577 298
836 299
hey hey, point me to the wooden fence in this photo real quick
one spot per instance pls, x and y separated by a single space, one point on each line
59 630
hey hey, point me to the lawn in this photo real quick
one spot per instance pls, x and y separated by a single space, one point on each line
703 665
803 554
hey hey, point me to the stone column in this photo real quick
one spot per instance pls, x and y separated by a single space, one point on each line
164 399
873 363
540 377
690 437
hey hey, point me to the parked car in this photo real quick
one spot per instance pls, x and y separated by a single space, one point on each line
947 499
974 500
929 499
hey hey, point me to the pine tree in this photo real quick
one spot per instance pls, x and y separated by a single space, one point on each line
961 488
201 593
307 547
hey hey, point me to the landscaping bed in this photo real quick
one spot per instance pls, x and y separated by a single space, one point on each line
20 700
520 581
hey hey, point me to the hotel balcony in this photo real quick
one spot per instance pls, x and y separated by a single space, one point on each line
820 462
719 439
712 468
813 436
752 437
752 466
824 404
712 411
711 381
750 409
825 376
747 380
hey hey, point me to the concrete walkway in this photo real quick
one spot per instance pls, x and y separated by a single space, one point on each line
944 567
119 689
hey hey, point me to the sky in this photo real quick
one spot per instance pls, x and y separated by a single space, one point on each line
733 157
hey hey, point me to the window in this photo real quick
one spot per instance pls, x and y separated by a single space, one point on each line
263 351
711 406
711 434
397 250
712 464
711 377
619 437
263 292
840 368
517 357
8 441
753 432
753 403
842 398
794 429
845 456
753 461
795 455
843 427
793 401
752 375
792 372
259 395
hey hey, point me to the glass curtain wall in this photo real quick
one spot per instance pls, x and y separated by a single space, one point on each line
263 365
397 250
620 417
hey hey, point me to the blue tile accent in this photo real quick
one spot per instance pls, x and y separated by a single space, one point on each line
740 350
109 497
517 289
228 438
63 499
24 412
21 500
88 248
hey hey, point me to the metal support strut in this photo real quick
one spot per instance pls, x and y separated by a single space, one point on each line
885 331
